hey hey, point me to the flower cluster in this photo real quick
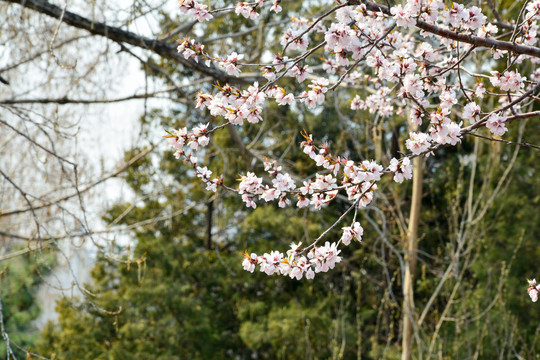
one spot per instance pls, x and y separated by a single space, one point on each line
178 139
456 16
508 81
195 10
529 28
190 48
315 96
418 75
444 131
199 136
235 105
229 64
378 103
402 170
319 259
352 232
472 112
249 11
418 143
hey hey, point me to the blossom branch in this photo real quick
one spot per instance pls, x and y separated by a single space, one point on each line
469 39
506 141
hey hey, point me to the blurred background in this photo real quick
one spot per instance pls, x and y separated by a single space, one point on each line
110 248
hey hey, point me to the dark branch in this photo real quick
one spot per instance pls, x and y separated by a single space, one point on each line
449 34
118 35
65 100
506 141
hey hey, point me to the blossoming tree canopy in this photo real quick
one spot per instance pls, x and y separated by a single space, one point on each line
415 58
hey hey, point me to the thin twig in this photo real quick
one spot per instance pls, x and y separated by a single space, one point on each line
506 141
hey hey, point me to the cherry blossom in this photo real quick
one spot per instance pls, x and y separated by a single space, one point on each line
402 170
472 112
487 31
475 18
319 259
352 232
496 124
509 81
403 16
534 290
249 262
246 10
230 64
413 86
194 9
411 57
418 142
275 6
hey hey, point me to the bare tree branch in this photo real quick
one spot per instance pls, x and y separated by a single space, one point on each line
83 190
506 141
116 34
65 100
5 336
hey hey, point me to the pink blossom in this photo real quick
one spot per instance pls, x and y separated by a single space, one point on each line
275 6
455 15
413 86
246 10
249 200
416 116
195 10
487 30
301 73
357 103
302 201
509 81
403 16
533 290
480 90
448 134
472 112
279 62
425 51
495 124
418 142
338 37
352 232
230 64
284 183
476 18
270 194
249 262
283 201
178 139
250 184
317 201
448 98
295 43
533 293
401 170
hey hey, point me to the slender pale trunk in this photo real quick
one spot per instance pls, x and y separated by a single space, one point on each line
410 259
377 142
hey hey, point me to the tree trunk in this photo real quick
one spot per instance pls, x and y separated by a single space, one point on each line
410 260
209 210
